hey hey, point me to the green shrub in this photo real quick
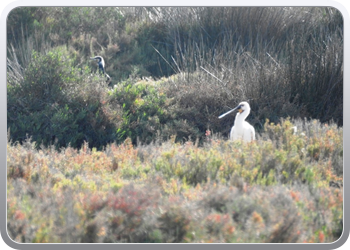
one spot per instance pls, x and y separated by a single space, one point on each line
144 111
55 103
216 67
271 190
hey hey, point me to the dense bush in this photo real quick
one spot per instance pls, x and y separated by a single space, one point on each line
144 158
289 70
56 103
282 188
143 108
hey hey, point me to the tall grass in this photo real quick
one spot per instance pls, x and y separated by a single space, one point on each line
145 158
283 59
287 62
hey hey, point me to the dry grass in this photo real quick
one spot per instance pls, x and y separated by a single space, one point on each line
146 159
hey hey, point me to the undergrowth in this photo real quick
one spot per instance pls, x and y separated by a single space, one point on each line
173 71
144 157
284 187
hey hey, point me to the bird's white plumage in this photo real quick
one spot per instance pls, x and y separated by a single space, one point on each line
241 129
101 65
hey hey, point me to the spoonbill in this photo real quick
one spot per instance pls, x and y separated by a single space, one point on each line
241 129
101 65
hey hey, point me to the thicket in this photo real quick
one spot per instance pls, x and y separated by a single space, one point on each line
174 70
144 158
282 188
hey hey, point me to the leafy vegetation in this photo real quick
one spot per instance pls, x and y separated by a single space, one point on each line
280 188
286 61
144 158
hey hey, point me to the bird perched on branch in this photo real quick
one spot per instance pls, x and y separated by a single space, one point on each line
241 129
101 65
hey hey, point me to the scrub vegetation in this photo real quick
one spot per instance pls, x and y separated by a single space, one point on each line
144 158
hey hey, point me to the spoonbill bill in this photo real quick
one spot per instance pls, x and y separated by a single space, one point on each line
241 129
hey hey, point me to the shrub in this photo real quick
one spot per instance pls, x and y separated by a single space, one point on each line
88 195
144 110
216 67
174 224
54 103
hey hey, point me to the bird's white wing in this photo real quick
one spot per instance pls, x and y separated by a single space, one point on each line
252 132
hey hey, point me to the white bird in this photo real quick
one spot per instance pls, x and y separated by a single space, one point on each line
295 131
101 65
241 129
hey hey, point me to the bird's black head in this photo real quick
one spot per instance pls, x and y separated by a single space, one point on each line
98 58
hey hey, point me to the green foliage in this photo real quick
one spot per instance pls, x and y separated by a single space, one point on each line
144 110
145 161
278 66
223 191
151 37
216 67
19 17
55 103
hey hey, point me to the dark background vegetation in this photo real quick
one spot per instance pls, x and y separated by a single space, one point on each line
284 61
144 158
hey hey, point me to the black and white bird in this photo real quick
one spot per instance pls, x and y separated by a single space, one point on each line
241 129
101 65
